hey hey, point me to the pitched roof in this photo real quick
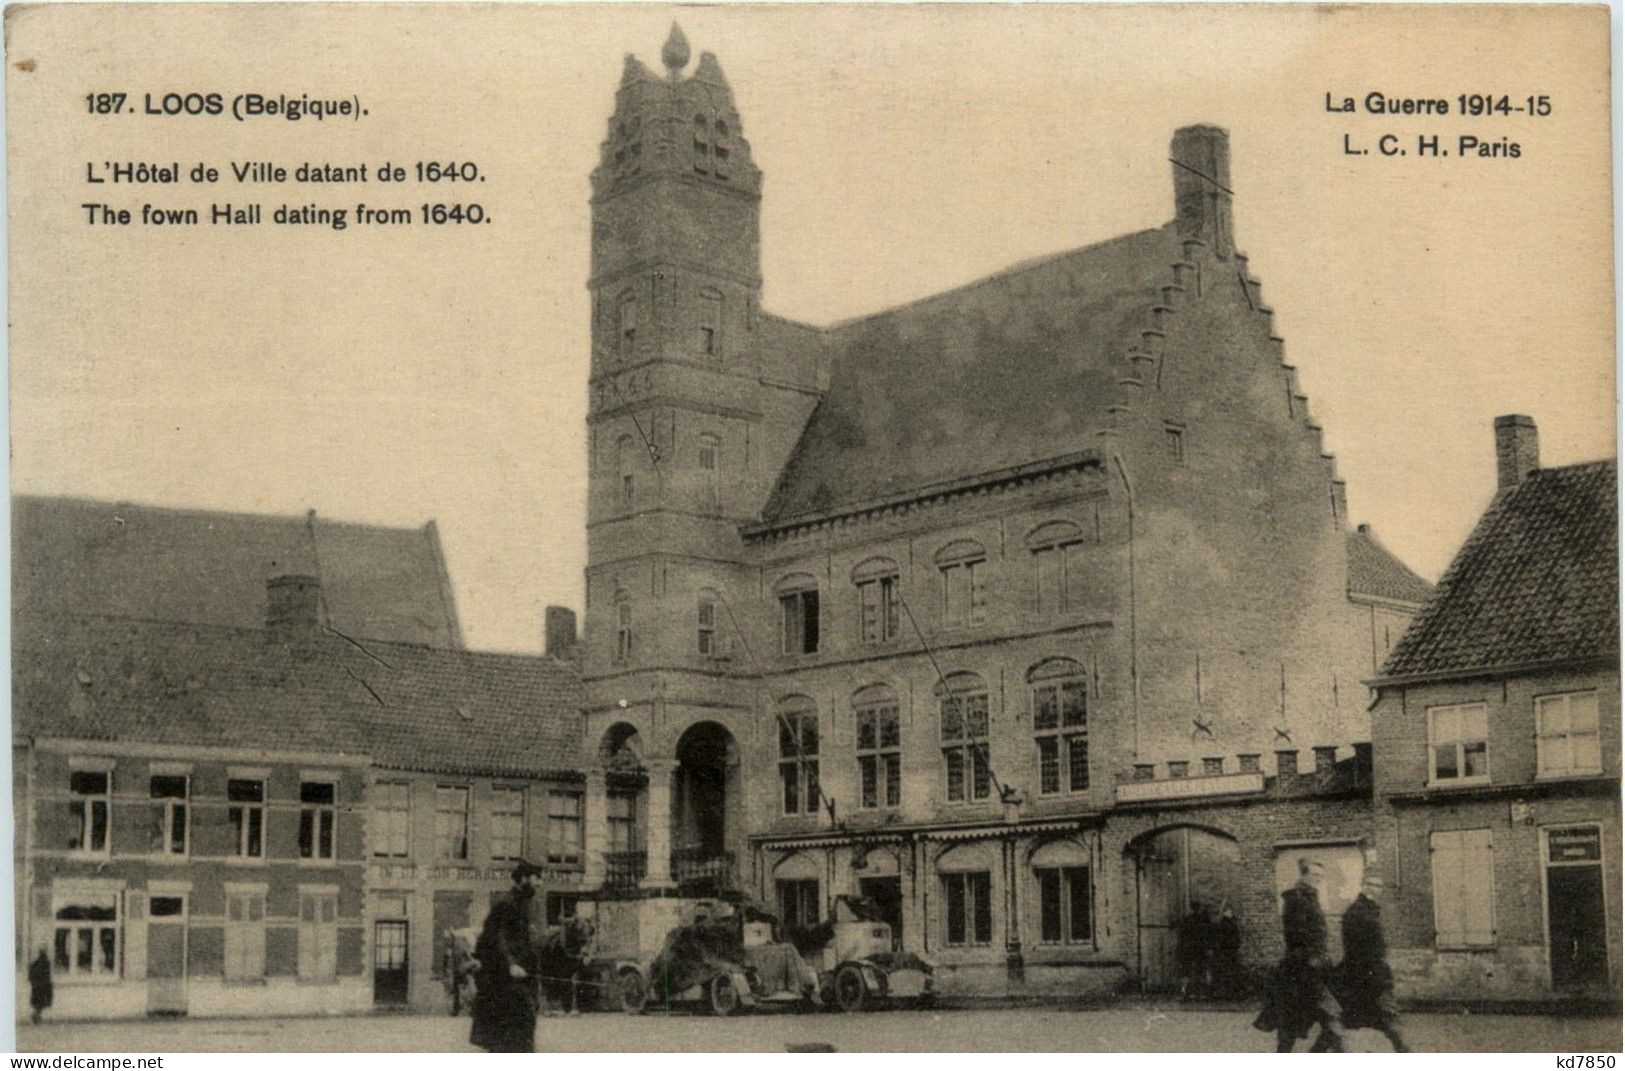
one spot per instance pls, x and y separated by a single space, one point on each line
406 706
78 556
1005 371
1375 571
1536 582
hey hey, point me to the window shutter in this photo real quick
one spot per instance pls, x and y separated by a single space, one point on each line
1447 890
1478 887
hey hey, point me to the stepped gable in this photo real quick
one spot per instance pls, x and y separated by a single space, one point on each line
407 706
82 556
1374 571
1536 582
1013 369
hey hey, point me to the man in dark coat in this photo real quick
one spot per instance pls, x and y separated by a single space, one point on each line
1298 995
505 999
1365 984
40 990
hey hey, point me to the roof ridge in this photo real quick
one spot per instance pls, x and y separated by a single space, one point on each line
1009 271
215 511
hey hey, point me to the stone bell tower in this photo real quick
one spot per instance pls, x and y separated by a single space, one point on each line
693 404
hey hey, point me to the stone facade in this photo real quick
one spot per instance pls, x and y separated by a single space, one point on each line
928 591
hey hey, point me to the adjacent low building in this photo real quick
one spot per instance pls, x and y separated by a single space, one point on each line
269 797
1497 748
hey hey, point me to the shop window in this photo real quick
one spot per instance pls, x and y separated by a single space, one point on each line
85 935
967 908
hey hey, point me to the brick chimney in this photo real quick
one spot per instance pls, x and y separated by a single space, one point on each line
294 607
1517 449
560 630
1202 199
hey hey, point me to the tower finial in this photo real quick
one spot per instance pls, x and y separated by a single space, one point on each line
675 54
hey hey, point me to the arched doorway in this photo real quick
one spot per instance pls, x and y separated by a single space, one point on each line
705 801
1178 872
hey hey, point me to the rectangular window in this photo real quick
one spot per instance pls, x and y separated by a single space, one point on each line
1056 573
561 907
1064 896
1458 739
1179 768
1175 441
879 755
623 632
1061 724
317 816
1463 888
169 838
246 813
798 761
451 821
507 822
877 605
565 833
798 903
245 937
707 620
1212 767
710 324
392 818
318 936
799 612
967 908
1248 763
964 752
629 326
85 937
963 598
623 821
1566 734
87 809
1286 764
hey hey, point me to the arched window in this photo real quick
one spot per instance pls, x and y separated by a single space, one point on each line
798 755
710 324
628 339
798 614
623 626
1060 693
963 569
962 699
879 747
706 617
1065 893
876 580
1056 548
625 452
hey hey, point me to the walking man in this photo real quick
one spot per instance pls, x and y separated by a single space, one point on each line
40 990
1298 995
1365 984
506 999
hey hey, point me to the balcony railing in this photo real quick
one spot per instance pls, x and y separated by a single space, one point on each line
624 870
700 872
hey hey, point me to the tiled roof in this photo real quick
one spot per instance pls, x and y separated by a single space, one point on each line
406 706
79 556
1374 571
1006 371
1536 582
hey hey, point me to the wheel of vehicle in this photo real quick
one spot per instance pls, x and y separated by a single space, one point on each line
630 990
851 991
724 995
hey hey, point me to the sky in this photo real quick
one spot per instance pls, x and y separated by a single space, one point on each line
394 375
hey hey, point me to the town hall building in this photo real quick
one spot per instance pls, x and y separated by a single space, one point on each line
1030 611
